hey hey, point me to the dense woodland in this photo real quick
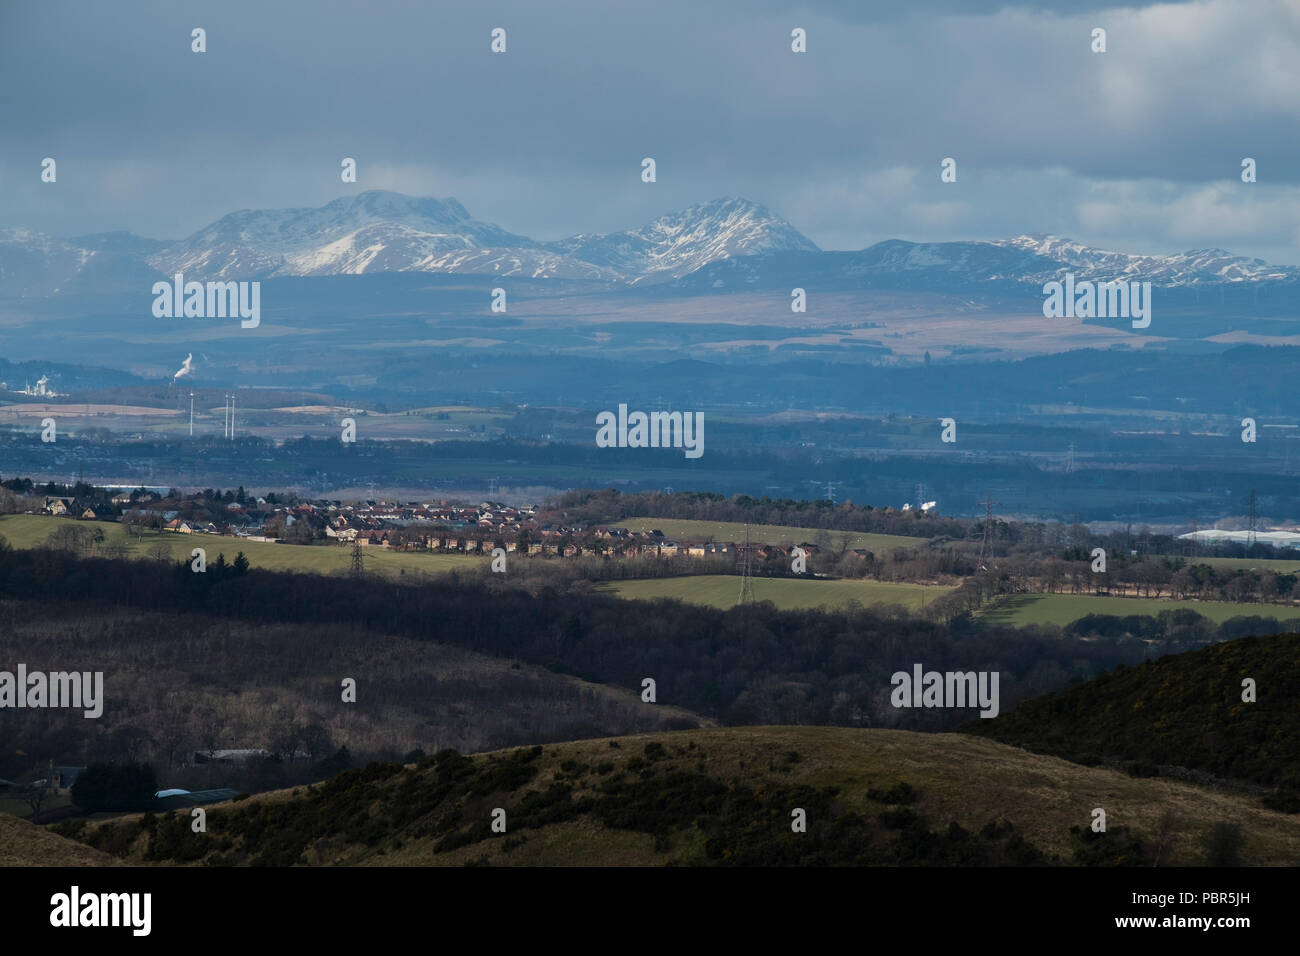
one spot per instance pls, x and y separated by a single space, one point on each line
1180 713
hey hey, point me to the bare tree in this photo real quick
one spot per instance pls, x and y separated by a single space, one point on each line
9 502
72 538
130 740
36 793
174 730
315 740
285 742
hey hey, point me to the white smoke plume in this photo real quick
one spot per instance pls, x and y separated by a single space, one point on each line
186 368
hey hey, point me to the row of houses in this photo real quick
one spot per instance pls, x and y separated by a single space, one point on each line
576 541
465 529
60 507
370 522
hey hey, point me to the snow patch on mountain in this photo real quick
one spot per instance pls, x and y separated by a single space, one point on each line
679 243
1195 267
720 244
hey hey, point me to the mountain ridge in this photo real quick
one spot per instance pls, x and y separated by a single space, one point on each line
717 245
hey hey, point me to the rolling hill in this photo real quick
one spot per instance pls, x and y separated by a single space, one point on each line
1181 714
25 844
717 797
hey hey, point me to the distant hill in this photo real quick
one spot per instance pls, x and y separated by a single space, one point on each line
1181 712
719 797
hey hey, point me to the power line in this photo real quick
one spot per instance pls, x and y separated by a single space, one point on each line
986 546
746 579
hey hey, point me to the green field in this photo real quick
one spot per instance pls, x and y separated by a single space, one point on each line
28 531
690 530
723 590
1061 609
1276 565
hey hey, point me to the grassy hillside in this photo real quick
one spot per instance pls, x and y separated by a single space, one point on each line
1182 710
24 844
717 797
28 531
690 530
723 590
1062 609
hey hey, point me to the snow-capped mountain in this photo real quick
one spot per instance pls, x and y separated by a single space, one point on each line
380 231
677 244
1033 260
375 231
721 245
1021 264
33 264
120 243
1188 268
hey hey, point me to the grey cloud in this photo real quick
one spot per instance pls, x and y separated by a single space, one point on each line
548 138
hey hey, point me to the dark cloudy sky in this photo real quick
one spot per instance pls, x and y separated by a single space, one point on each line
1137 149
